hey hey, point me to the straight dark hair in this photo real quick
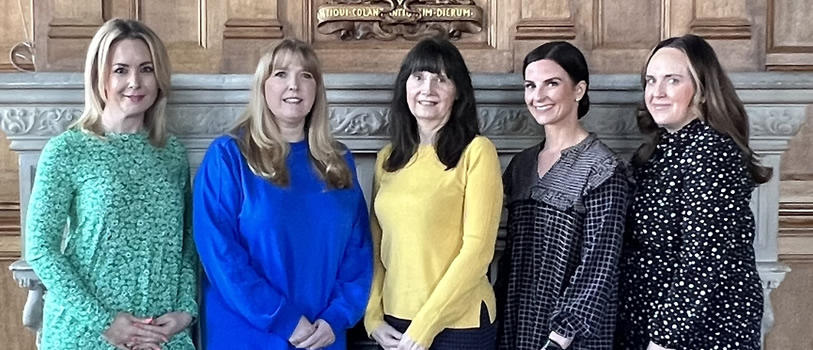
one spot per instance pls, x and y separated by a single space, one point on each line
715 100
439 56
571 59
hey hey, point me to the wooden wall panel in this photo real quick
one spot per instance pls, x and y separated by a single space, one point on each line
15 23
13 335
792 306
789 35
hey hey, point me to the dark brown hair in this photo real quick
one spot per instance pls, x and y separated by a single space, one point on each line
715 99
435 55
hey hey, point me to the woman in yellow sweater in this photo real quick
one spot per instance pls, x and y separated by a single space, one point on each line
437 199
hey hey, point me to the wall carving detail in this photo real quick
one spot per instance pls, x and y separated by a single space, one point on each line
390 19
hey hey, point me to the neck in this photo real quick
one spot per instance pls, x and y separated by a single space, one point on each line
292 134
428 129
121 124
560 136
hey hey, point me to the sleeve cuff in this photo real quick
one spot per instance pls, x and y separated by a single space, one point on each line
335 318
285 322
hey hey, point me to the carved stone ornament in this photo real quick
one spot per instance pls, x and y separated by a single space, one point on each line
390 19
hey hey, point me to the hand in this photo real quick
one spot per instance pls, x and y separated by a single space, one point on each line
172 323
304 329
126 330
407 343
386 336
653 346
322 336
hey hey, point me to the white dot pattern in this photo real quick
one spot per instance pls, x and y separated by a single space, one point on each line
688 269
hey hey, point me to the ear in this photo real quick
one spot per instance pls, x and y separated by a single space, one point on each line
580 89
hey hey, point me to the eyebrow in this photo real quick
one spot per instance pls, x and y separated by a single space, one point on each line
127 65
546 80
670 75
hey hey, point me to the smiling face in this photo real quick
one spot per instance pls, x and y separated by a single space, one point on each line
550 94
669 89
290 91
430 96
130 86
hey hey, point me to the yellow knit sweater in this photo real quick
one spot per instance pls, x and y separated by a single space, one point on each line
434 232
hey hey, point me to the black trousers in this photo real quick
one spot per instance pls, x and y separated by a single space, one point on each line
480 338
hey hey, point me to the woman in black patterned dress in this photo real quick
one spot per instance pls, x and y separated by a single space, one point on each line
566 200
688 272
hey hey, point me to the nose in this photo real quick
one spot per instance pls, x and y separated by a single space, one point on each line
659 90
134 82
293 83
427 85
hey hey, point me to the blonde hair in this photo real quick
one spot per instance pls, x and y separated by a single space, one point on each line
97 68
258 134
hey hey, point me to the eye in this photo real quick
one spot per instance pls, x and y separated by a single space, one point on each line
119 70
307 75
280 74
416 76
147 69
529 85
553 83
673 81
650 81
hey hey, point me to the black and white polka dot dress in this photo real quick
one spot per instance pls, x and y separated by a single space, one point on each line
688 271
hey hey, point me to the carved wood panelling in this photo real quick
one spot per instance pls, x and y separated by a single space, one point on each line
17 26
789 36
626 25
250 28
546 20
721 19
12 298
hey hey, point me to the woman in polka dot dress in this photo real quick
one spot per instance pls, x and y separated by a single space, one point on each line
688 271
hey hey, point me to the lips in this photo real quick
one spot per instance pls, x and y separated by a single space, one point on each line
134 98
294 100
542 108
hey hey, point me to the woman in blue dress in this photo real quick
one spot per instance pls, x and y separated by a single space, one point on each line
281 223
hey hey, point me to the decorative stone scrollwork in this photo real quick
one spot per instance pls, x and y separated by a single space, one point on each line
348 121
775 121
504 121
37 121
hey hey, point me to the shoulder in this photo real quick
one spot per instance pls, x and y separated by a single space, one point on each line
383 154
66 142
707 145
480 144
603 164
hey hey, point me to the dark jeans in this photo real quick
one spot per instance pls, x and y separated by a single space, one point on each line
480 338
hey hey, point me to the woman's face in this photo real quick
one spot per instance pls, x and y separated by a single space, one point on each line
550 94
430 96
130 85
669 89
290 91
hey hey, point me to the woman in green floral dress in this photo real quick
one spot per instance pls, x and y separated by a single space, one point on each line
108 228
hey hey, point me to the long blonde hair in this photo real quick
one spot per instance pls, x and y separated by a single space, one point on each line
97 68
258 134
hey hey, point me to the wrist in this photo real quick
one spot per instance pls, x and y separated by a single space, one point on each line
551 345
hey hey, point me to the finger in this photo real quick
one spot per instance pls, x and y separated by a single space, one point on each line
146 337
310 341
162 331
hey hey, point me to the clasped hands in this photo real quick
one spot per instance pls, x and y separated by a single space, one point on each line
312 336
128 332
391 339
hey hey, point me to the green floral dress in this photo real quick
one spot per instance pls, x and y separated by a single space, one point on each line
108 230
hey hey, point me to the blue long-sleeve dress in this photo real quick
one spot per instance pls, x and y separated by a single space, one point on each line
273 254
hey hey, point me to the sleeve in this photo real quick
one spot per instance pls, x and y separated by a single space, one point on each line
581 311
349 296
482 206
710 192
374 314
188 291
48 211
504 265
216 206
